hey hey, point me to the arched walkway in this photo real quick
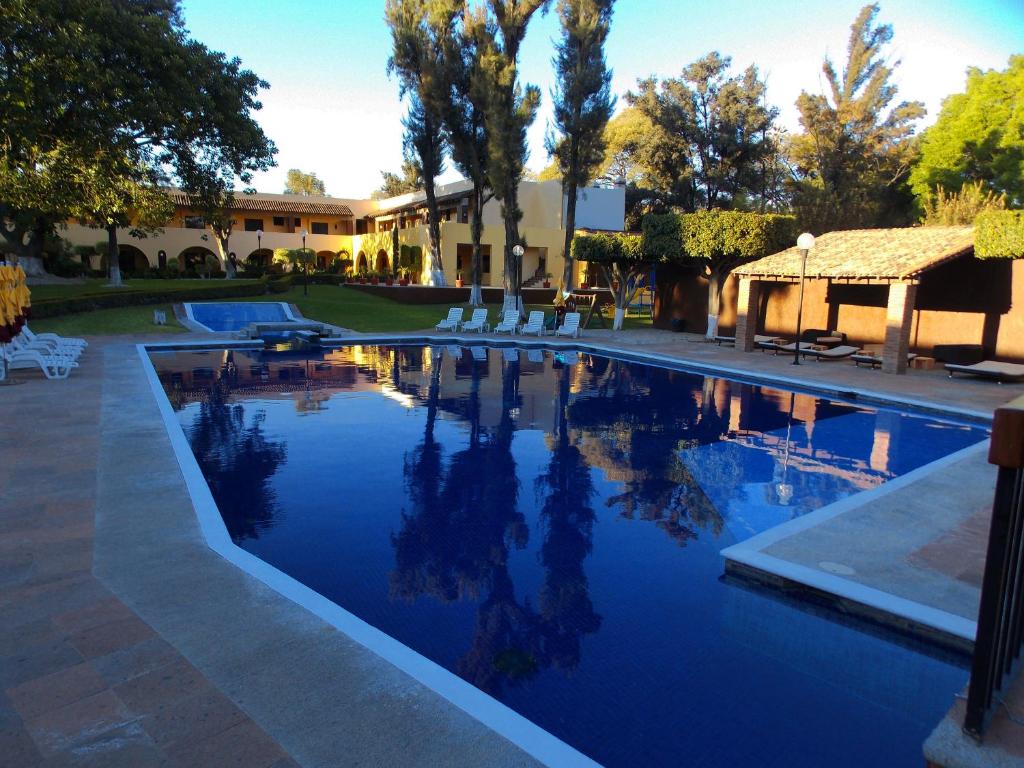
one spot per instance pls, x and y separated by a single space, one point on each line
325 259
191 257
361 263
381 264
261 257
132 259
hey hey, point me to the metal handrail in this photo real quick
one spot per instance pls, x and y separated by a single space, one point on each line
997 647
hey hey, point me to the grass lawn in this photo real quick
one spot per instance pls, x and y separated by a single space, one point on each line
345 307
93 286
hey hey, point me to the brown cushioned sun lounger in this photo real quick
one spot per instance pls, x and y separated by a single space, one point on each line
874 360
990 369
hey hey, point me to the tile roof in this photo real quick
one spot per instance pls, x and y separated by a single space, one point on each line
869 254
261 201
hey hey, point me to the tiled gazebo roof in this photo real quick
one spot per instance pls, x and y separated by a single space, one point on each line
881 255
322 206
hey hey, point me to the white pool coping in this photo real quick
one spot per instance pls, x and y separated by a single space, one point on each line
500 718
289 316
751 554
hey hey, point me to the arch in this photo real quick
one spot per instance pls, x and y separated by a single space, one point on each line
261 257
324 259
132 259
361 263
381 264
192 256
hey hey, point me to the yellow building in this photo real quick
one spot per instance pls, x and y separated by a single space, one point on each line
361 229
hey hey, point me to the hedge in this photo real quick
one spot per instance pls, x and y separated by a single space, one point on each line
999 235
129 298
605 248
738 236
281 285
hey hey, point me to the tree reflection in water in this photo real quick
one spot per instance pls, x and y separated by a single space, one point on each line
237 461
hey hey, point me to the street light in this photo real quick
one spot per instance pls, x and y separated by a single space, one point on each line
518 251
805 242
259 242
305 272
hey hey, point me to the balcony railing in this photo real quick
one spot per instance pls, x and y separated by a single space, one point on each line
997 648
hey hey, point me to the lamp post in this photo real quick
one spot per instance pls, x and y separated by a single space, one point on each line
305 272
518 251
259 242
805 242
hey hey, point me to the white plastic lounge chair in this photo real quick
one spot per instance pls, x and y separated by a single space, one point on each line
479 354
509 322
64 341
52 367
478 322
535 355
570 326
454 352
835 353
534 324
451 323
21 344
990 369
758 338
874 361
568 358
510 354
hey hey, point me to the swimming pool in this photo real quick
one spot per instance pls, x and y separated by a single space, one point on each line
547 526
235 315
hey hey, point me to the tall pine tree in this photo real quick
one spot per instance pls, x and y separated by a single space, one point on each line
583 105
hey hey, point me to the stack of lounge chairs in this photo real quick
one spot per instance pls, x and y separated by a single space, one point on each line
54 355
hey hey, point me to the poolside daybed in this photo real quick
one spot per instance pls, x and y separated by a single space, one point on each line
990 369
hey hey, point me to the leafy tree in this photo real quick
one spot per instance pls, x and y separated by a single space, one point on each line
394 185
509 110
623 262
420 30
999 235
711 133
854 155
124 76
718 241
583 104
623 136
979 136
301 183
300 259
944 209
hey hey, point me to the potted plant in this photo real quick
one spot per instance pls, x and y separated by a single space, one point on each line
458 280
389 279
584 286
547 279
374 279
362 278
403 277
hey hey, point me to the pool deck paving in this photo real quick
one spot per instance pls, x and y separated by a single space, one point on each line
125 640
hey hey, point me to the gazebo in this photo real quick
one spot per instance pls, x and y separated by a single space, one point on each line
893 257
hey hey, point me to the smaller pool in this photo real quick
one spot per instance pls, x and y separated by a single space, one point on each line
235 315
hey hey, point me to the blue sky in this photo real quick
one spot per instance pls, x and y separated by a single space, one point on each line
332 109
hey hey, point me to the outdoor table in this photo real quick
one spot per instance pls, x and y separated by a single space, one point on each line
830 341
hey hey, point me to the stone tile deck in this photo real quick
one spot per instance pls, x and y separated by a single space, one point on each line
125 641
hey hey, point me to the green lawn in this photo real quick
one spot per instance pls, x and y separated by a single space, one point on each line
345 307
93 286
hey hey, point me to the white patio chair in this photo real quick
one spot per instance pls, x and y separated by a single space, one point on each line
534 324
478 322
52 367
21 344
570 326
479 354
64 341
509 322
452 322
535 355
511 354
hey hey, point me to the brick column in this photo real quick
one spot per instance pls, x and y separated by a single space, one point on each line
898 318
746 313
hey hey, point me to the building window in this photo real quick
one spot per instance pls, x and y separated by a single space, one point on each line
251 225
195 222
318 227
298 222
279 221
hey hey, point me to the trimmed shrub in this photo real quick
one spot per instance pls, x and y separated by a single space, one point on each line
129 298
281 285
999 235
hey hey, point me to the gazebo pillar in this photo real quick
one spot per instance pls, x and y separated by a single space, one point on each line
898 318
746 313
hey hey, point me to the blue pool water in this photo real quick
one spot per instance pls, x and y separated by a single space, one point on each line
548 527
233 316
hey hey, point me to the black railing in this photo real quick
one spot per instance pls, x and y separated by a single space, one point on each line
997 647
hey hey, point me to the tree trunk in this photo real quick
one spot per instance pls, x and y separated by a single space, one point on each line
223 243
570 231
513 282
476 228
113 257
714 302
434 235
